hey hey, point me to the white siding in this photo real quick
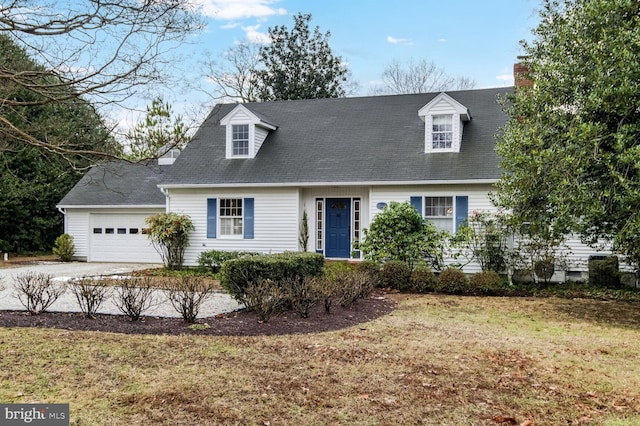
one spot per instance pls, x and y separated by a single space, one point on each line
77 225
443 107
260 135
275 220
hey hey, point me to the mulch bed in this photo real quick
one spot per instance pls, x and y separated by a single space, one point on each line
239 323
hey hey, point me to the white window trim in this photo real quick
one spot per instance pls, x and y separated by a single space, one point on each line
453 210
220 218
450 132
250 143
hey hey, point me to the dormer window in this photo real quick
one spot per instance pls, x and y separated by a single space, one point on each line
240 140
444 119
246 132
442 131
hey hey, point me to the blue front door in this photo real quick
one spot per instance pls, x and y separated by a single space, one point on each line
338 227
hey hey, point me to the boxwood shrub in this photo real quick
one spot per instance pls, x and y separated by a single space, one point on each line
213 259
238 274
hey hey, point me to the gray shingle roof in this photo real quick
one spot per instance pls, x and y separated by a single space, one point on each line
368 139
118 184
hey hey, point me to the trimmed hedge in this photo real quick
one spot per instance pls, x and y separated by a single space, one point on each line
214 259
238 274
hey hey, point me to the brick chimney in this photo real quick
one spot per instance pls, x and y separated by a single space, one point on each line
520 77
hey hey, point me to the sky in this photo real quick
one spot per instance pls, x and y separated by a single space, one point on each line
472 38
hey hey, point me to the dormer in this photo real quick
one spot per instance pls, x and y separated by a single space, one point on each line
444 119
246 132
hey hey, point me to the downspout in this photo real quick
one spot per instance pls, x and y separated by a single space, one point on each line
165 192
64 213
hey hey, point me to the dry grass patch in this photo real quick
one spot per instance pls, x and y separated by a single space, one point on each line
435 360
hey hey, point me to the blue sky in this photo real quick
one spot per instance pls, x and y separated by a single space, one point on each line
473 38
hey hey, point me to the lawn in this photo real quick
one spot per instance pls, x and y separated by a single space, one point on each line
439 360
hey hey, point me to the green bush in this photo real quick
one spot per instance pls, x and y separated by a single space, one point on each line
64 247
212 260
485 283
422 280
452 281
604 272
396 274
169 233
238 274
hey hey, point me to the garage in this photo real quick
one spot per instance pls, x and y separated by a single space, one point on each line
119 238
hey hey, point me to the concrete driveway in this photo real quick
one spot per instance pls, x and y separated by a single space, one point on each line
219 302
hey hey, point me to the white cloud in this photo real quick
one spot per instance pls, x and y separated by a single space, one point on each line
506 78
238 9
442 40
394 40
253 35
229 26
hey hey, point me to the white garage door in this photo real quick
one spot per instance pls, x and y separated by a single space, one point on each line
119 238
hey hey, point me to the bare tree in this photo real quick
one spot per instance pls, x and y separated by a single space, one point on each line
421 76
95 50
233 76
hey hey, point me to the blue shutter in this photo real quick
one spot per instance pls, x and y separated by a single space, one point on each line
462 211
416 203
248 218
212 220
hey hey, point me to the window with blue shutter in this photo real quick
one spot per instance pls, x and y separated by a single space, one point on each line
212 220
416 202
248 218
462 211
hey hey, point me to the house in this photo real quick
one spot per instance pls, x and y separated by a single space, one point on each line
252 170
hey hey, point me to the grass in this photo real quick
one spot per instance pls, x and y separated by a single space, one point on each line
436 360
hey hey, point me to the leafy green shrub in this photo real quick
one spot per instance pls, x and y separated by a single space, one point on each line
400 233
133 296
422 280
452 281
395 274
36 291
64 247
604 272
238 274
187 294
90 294
485 283
265 297
169 233
212 260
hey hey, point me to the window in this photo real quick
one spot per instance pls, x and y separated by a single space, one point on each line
442 131
240 140
319 223
231 216
122 231
356 219
133 230
108 230
97 230
439 211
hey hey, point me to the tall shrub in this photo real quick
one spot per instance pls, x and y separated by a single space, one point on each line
169 233
401 233
64 247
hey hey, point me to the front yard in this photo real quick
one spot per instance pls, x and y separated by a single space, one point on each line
434 360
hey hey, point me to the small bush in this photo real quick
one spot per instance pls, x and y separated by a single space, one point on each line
604 272
301 295
187 294
326 289
36 291
395 274
64 247
265 297
237 274
423 280
372 268
452 281
485 283
90 294
353 285
214 259
134 296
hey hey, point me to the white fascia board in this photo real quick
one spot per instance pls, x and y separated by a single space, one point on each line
330 184
111 206
254 118
459 108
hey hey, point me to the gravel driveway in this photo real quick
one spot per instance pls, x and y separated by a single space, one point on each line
219 302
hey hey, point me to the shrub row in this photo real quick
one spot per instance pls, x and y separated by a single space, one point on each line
213 260
37 291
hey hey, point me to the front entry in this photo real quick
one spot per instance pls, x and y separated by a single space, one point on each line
338 227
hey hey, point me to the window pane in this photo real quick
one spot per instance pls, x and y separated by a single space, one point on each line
231 216
240 139
442 131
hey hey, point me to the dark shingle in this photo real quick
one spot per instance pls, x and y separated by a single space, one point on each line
369 139
118 183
